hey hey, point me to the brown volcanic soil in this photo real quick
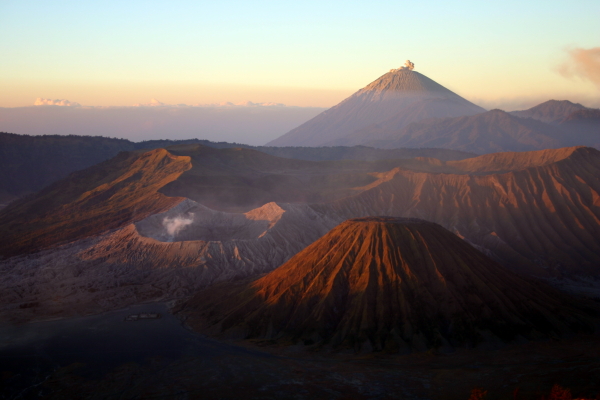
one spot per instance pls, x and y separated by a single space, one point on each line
535 212
392 284
240 179
543 220
103 197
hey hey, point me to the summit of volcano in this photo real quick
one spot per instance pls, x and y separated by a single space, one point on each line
392 101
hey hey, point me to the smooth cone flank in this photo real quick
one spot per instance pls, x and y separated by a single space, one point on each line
391 284
391 102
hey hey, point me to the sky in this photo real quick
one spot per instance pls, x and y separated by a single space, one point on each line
303 53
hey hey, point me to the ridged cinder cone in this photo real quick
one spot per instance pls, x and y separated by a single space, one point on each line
395 284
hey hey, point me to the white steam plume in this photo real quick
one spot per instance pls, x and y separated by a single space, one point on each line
584 63
408 65
176 224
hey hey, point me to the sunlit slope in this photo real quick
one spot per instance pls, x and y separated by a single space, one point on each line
106 196
541 219
134 185
240 179
389 283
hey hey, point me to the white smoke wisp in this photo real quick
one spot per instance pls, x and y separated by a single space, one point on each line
408 65
57 102
176 224
583 63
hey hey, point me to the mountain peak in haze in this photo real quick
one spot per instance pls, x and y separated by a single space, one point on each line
551 111
392 101
405 81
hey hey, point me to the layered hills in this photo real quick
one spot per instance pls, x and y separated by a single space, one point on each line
128 230
537 212
551 111
391 102
135 185
31 163
488 132
103 197
388 283
240 179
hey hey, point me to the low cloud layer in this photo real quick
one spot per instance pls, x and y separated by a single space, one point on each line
56 102
583 63
255 125
176 224
248 103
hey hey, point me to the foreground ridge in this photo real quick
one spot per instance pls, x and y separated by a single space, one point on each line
394 284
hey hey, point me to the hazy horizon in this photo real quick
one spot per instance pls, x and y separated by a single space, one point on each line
506 55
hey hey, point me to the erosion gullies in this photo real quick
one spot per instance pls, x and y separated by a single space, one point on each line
392 101
142 262
537 213
540 220
511 161
30 163
395 284
240 179
106 196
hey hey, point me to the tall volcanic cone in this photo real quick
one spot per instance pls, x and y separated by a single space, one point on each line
391 102
388 283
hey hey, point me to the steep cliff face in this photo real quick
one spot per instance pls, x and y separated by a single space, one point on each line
389 283
537 213
109 195
543 220
150 261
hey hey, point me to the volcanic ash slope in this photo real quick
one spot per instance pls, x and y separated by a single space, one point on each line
394 100
383 283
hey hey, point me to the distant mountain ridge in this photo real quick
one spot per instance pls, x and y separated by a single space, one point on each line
393 101
488 132
30 163
551 111
550 125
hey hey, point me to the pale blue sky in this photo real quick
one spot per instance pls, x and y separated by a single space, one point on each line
298 53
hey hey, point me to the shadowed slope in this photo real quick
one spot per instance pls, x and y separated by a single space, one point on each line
487 132
389 283
30 163
394 100
551 111
240 179
543 220
106 196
